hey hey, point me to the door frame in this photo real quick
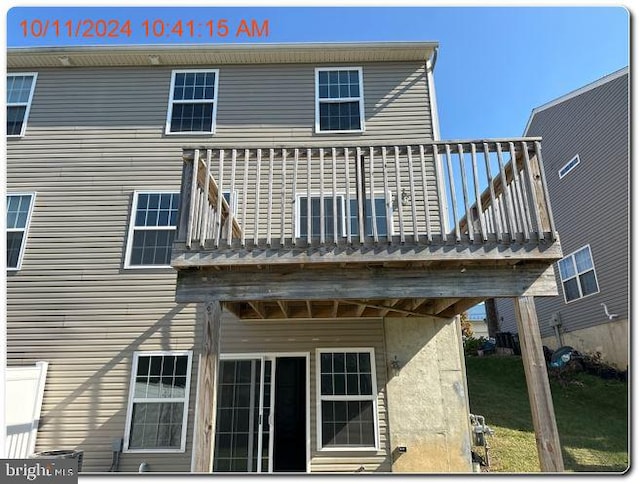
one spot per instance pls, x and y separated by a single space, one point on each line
278 354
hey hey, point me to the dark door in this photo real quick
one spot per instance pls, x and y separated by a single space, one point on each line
289 445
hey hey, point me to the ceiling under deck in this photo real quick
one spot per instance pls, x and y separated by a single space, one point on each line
351 308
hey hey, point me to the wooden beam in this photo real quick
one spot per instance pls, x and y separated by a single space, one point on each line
334 311
184 258
440 305
535 367
385 309
309 308
366 283
205 421
460 307
284 307
259 308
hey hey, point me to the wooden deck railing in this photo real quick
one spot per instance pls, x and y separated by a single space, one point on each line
333 196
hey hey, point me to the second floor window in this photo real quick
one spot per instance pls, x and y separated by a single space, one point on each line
578 275
152 229
19 207
192 104
20 89
339 100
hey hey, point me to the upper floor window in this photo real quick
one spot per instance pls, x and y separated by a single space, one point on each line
158 397
569 166
339 100
193 100
578 275
347 399
20 89
152 229
19 208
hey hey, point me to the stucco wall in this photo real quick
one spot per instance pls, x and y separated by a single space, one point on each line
427 400
610 339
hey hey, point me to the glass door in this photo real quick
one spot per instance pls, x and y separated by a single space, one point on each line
243 439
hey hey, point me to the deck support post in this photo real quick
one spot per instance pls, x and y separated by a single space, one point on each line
205 421
535 368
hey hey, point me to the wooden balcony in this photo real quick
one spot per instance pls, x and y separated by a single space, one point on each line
375 230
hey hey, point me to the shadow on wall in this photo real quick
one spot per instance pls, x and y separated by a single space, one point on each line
78 420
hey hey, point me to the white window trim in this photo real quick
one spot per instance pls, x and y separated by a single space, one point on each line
134 371
578 274
28 103
360 99
340 196
133 228
320 398
25 231
572 165
214 101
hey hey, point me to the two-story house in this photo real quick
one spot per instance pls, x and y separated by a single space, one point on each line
252 258
586 135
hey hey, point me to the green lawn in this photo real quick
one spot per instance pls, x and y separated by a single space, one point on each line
591 414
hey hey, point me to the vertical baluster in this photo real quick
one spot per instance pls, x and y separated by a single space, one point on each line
372 197
532 190
359 178
521 219
543 179
425 194
232 189
257 195
283 195
322 214
452 188
294 193
522 194
465 195
442 196
193 195
270 196
387 195
497 225
396 152
220 196
335 199
245 189
205 201
476 184
506 194
347 181
412 194
309 197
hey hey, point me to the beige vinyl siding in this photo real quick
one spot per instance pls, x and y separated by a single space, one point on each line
591 203
258 337
96 135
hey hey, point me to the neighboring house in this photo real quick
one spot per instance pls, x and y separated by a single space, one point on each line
586 157
252 257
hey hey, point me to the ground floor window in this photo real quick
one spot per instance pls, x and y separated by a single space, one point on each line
158 401
347 399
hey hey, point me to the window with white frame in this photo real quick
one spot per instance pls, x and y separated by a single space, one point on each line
309 208
578 275
569 166
19 208
346 399
339 100
152 229
193 100
158 401
20 88
382 216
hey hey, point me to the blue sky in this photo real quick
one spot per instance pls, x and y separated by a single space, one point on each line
494 66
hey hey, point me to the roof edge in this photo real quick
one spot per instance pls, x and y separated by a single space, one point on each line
576 92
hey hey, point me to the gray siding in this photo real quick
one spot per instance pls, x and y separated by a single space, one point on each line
591 203
94 136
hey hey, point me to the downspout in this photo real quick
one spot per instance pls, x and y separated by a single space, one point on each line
435 125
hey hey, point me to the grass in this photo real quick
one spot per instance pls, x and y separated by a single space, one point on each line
591 413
